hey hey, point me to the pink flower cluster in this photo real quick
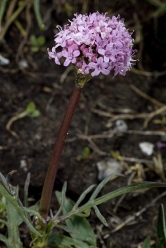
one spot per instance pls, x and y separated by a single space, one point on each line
95 44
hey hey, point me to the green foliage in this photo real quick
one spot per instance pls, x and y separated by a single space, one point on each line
71 211
31 110
3 4
146 243
13 16
16 213
79 227
60 241
160 6
161 228
85 154
71 217
37 43
36 5
2 211
16 9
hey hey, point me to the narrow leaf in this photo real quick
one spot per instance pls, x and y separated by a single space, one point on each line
3 222
38 14
100 216
20 211
121 191
102 184
11 19
161 228
2 9
79 227
62 200
83 195
26 187
146 243
3 182
128 189
33 212
12 225
4 239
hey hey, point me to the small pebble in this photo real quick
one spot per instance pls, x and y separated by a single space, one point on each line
4 61
120 126
107 167
23 165
147 148
23 64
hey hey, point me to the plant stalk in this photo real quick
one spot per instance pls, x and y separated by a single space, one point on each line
57 151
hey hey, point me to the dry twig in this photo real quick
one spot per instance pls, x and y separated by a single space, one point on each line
29 22
155 74
149 98
133 217
153 114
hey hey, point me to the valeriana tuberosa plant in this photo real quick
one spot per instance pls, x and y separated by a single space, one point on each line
94 44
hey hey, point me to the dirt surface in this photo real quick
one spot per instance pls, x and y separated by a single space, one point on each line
138 99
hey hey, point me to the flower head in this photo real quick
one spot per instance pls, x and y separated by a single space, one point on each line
95 44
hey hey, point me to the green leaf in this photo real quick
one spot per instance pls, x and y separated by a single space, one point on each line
63 198
35 49
37 42
100 216
16 204
33 213
111 245
63 227
60 241
146 243
12 226
79 227
36 4
34 114
83 195
125 190
33 40
4 239
121 191
3 9
30 107
103 183
41 40
31 110
85 154
26 187
161 228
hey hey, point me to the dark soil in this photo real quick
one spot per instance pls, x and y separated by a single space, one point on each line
101 97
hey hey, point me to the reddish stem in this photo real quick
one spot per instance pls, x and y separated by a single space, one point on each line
53 166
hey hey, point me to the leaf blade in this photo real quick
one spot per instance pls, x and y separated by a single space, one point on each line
79 226
161 228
